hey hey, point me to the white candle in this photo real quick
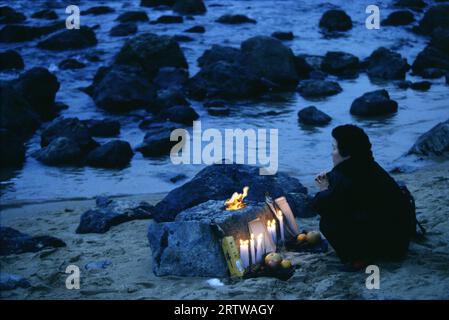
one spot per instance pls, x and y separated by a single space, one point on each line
244 254
259 248
253 251
281 224
273 228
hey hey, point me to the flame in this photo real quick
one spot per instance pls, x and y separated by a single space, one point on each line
236 201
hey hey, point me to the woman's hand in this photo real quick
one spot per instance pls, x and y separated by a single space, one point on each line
321 181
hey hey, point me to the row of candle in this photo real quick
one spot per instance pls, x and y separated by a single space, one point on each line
257 249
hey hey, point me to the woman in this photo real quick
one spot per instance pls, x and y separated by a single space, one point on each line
362 208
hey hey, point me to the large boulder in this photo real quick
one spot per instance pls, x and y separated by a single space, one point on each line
235 19
219 182
98 10
386 64
189 7
440 39
171 78
168 98
315 88
374 103
10 59
113 154
219 53
312 116
133 16
283 35
179 114
71 64
157 142
20 33
399 18
416 5
335 20
156 3
152 52
70 39
433 142
102 128
430 58
121 88
45 14
341 64
10 15
123 29
436 16
60 151
12 149
266 57
166 19
13 241
109 213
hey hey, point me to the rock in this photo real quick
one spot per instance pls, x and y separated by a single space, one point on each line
152 52
12 149
12 282
416 5
432 73
399 18
168 98
189 7
386 64
435 17
312 116
335 20
133 16
171 78
280 35
121 88
447 77
219 182
374 103
70 40
109 213
403 84
235 19
434 142
16 114
123 29
39 86
60 151
16 242
268 58
9 15
102 128
71 64
10 59
224 80
302 67
182 38
113 154
179 114
70 128
421 86
98 265
219 53
178 178
318 88
340 64
156 3
169 19
430 57
196 29
172 245
20 33
218 110
157 142
45 14
440 39
98 10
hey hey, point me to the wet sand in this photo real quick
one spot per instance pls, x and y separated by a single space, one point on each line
423 275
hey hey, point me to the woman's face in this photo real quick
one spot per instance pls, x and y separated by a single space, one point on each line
336 156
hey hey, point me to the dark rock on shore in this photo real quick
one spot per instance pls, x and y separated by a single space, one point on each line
109 213
430 57
182 38
60 151
123 29
102 128
434 142
178 178
432 73
179 114
98 10
341 64
20 33
12 281
171 78
440 39
10 59
335 20
156 3
386 64
12 149
170 19
16 242
133 16
374 103
70 39
312 116
416 5
189 7
168 98
219 182
302 67
318 88
421 86
219 53
157 142
235 19
10 15
45 14
399 18
436 16
113 154
196 29
71 64
280 35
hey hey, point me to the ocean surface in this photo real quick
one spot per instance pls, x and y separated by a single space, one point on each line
303 151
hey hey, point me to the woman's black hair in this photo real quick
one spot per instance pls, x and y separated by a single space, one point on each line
352 141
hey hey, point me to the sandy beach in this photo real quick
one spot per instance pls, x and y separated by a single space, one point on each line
423 275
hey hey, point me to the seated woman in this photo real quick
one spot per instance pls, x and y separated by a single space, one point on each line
361 207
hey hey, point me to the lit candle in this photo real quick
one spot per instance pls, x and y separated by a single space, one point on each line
281 224
273 227
244 254
259 248
253 251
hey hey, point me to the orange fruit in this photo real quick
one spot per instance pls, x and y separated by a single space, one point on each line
301 237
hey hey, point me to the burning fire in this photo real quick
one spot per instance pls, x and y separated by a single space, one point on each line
236 201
